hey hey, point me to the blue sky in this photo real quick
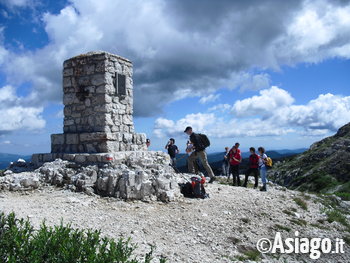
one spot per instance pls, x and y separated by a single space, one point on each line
271 73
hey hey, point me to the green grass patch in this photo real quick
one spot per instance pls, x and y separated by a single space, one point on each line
322 182
249 253
306 196
344 196
347 239
320 226
336 216
2 172
253 255
300 202
284 228
329 201
318 181
240 258
19 242
345 188
300 222
288 212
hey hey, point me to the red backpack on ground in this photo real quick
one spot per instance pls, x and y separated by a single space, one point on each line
195 188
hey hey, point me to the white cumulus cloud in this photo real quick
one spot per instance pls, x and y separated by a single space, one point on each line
327 112
263 104
221 107
209 98
271 113
198 121
15 115
178 52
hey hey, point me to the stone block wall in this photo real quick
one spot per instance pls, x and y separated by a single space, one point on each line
92 101
97 142
98 106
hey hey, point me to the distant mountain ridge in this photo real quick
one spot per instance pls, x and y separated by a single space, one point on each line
215 159
325 167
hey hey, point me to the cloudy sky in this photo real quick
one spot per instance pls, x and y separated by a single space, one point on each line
272 73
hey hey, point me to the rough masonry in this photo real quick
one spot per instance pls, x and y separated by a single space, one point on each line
98 151
98 106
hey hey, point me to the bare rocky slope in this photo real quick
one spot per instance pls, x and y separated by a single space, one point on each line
325 167
222 228
141 175
138 196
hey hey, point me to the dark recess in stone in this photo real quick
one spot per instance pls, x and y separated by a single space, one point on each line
82 93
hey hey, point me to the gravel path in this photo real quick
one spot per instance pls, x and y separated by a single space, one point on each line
218 229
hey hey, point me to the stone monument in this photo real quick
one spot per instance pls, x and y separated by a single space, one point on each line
98 106
98 110
99 151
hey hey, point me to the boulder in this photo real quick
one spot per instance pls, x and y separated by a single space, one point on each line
130 176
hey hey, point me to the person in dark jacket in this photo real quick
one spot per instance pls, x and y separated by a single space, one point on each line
253 167
199 153
172 151
235 159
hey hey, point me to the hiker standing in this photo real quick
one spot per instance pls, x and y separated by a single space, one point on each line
199 153
148 143
262 167
172 151
237 147
226 164
235 160
190 151
253 167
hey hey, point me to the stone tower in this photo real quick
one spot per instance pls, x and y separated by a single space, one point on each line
98 106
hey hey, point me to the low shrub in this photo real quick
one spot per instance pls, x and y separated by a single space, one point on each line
287 212
347 239
300 202
344 196
284 228
20 243
300 222
336 216
249 253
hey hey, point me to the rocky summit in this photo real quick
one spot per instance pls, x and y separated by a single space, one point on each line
99 154
224 228
132 175
325 167
98 151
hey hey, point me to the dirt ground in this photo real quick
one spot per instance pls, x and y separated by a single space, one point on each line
222 228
